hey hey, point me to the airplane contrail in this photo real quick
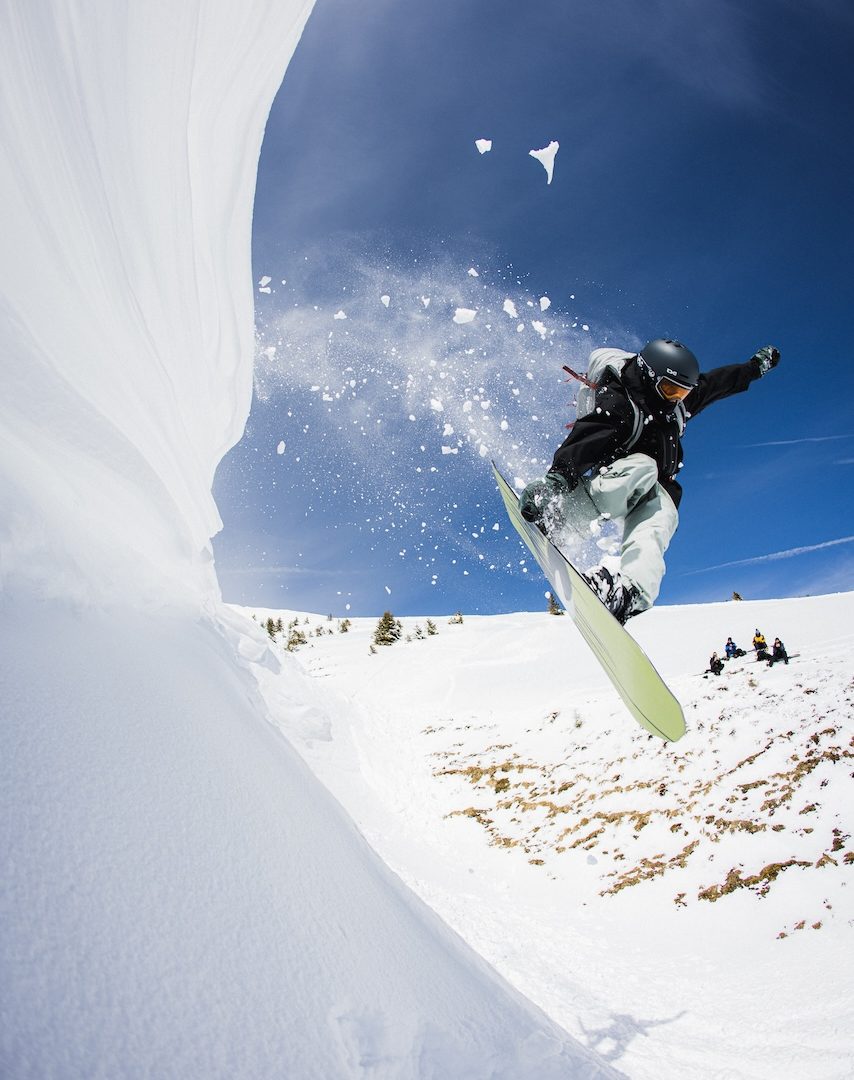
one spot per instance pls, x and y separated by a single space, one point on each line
789 553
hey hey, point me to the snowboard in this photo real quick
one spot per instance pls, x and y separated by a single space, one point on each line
625 663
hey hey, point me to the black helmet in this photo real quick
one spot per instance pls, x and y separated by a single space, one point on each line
672 367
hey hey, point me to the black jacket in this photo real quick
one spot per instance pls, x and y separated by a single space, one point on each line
600 438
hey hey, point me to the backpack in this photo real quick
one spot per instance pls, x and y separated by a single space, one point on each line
614 360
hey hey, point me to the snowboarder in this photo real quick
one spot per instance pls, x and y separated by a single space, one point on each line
778 653
623 458
716 665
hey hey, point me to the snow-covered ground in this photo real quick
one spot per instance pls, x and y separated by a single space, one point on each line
685 909
181 895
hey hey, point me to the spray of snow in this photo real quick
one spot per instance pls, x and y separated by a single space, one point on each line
410 373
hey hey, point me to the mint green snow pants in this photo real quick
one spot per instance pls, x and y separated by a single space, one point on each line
629 489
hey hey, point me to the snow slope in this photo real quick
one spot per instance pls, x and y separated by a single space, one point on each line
683 909
180 896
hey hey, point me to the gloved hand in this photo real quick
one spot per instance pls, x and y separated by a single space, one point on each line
539 495
766 358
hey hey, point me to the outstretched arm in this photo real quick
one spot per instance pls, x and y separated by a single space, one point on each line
732 379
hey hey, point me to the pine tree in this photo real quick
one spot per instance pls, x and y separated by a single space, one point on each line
388 630
344 626
271 628
554 606
431 628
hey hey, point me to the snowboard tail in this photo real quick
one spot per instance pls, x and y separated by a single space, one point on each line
632 674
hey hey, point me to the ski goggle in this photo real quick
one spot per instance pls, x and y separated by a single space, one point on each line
672 391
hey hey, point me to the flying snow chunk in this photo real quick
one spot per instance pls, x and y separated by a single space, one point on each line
388 590
464 315
448 432
386 300
546 158
340 315
510 308
265 281
436 405
472 272
450 450
483 145
425 300
540 328
545 303
280 449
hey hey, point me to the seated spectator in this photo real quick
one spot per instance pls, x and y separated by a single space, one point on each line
778 653
760 646
732 650
716 665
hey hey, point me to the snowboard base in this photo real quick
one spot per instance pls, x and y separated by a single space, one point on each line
631 672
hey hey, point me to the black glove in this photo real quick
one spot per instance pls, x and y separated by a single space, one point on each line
766 358
540 494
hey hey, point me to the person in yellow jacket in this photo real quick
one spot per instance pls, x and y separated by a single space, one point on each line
760 645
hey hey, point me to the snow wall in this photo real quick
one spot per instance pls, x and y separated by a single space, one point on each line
130 141
180 896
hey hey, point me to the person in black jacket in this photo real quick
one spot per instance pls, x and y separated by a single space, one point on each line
624 456
778 653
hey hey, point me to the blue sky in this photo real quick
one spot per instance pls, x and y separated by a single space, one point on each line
702 190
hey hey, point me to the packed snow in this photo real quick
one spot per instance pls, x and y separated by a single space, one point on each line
684 909
181 896
450 857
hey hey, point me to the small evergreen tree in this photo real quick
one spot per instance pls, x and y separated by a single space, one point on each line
271 628
554 606
344 626
388 630
419 633
431 628
280 626
296 638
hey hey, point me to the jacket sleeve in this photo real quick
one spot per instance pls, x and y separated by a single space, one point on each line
596 438
721 383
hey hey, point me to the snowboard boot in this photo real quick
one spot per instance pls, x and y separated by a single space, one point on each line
618 596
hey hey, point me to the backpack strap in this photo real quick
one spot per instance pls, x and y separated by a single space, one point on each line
637 425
